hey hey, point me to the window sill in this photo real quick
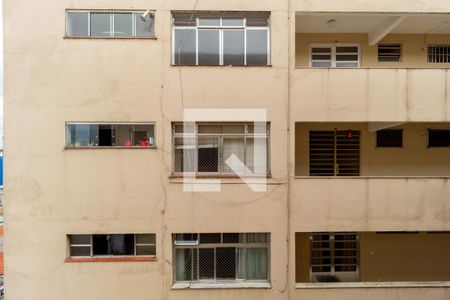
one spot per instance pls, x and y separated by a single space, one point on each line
107 38
108 147
389 284
225 66
200 176
221 285
110 259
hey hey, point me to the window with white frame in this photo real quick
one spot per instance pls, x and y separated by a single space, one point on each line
93 135
221 38
110 24
206 147
221 257
335 56
92 245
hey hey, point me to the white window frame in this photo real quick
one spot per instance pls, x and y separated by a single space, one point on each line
221 29
333 53
134 13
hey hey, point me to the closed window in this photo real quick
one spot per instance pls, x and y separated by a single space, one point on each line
229 148
80 135
390 138
438 138
389 52
91 245
334 256
131 24
221 257
334 56
334 153
438 53
229 38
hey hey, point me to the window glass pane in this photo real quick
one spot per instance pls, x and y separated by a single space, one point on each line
100 24
105 135
208 154
256 237
256 155
185 264
208 47
323 57
143 135
122 244
145 28
123 24
101 244
206 263
347 49
80 239
226 263
184 49
209 21
145 238
232 21
82 135
233 47
258 20
257 263
321 50
346 64
77 24
321 64
123 134
185 154
145 250
257 47
80 251
210 238
236 147
346 57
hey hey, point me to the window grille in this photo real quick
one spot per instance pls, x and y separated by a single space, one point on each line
110 24
205 148
221 257
93 135
389 52
334 56
93 245
390 138
438 138
438 53
334 153
225 38
334 257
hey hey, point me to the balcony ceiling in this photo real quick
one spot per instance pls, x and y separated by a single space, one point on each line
375 24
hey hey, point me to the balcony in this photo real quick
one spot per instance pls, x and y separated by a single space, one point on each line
347 180
371 67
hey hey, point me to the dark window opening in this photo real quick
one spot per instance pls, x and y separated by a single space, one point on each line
389 52
390 138
438 137
105 135
226 263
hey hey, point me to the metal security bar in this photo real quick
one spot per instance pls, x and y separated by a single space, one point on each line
334 153
389 52
334 257
221 38
438 53
204 148
221 257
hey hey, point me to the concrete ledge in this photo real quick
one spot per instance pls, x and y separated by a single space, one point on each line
388 284
221 285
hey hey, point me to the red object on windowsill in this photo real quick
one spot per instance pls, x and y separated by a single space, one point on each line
144 143
127 143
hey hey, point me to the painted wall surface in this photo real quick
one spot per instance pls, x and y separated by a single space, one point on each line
414 54
415 158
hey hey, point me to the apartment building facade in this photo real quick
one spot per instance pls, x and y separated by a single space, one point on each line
121 118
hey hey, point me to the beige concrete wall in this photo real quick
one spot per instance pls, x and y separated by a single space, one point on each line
53 192
413 159
414 55
417 95
404 257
